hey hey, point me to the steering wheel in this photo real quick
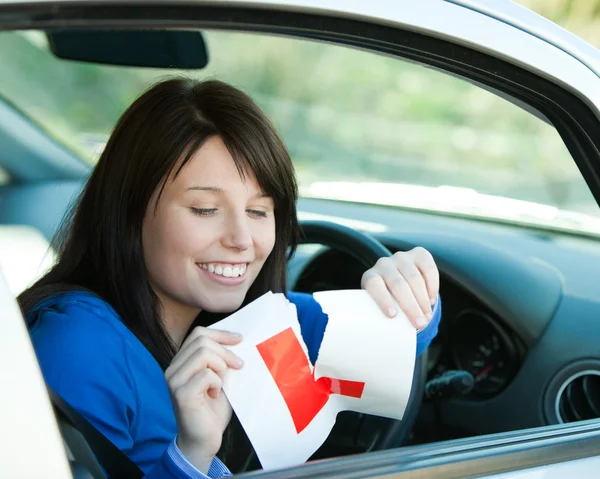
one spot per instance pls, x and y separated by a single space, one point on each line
374 433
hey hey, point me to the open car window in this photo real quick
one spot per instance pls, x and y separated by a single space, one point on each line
359 126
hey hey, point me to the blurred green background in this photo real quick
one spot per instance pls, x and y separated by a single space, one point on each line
581 17
346 115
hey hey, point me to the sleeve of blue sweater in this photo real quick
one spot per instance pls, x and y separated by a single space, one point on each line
75 347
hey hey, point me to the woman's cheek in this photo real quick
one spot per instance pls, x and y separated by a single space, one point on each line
266 238
191 235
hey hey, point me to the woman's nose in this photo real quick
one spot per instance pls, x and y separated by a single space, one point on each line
238 234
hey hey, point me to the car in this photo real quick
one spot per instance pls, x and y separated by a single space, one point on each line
468 127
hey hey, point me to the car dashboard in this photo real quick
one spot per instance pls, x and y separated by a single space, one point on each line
520 311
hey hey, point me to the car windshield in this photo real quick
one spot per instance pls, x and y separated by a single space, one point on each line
359 126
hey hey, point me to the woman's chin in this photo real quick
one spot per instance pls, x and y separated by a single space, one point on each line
223 307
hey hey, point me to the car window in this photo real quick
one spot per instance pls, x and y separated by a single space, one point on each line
359 126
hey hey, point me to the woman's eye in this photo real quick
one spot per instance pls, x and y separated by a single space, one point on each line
203 211
258 213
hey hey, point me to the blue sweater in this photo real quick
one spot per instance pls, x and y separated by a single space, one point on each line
91 359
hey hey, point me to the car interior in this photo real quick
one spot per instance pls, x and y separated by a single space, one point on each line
390 154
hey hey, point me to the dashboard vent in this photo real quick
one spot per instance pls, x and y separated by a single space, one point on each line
579 397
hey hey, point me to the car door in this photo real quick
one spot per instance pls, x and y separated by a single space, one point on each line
30 442
506 50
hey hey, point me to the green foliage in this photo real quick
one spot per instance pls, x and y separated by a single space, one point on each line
581 17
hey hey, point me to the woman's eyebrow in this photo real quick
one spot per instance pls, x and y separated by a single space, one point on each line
214 189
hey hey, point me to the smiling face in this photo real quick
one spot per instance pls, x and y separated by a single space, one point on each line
209 236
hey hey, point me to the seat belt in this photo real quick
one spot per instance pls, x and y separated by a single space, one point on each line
114 461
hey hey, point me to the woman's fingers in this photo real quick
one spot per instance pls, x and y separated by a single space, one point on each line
387 291
425 263
203 359
401 291
374 284
226 338
410 279
204 342
203 349
203 382
407 268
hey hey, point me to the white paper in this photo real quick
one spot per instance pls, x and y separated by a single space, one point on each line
360 344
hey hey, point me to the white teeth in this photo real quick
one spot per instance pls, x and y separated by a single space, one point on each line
227 271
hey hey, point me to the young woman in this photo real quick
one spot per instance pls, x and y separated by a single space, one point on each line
187 216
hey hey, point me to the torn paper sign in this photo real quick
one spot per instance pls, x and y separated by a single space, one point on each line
287 407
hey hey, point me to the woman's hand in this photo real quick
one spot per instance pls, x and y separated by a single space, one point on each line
195 380
410 278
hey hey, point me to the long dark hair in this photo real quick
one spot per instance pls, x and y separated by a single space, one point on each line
100 246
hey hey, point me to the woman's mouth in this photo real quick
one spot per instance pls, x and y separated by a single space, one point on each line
225 273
